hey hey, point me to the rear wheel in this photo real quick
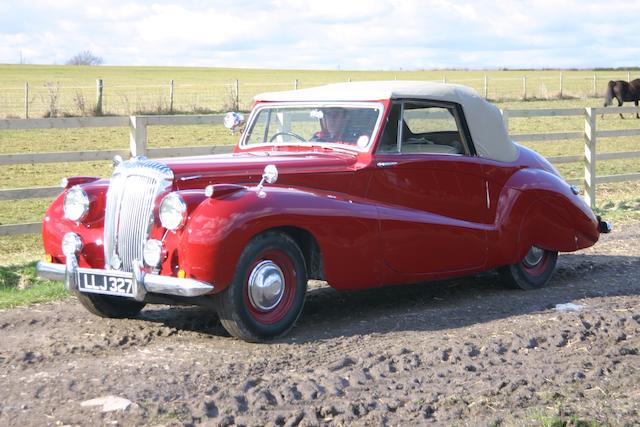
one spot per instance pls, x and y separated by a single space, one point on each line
533 272
268 290
108 306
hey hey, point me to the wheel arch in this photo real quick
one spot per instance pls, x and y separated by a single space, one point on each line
309 246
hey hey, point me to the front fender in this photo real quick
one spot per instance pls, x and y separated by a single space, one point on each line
90 229
345 229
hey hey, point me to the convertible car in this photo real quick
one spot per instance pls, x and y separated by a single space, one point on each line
358 184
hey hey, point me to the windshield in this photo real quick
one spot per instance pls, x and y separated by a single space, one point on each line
347 124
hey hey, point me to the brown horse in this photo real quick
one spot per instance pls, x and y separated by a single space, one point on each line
623 92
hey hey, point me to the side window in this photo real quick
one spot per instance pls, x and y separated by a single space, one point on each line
430 129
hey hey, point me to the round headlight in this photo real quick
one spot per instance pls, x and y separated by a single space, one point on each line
76 204
153 253
71 244
173 212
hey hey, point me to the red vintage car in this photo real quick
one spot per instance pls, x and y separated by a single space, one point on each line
358 184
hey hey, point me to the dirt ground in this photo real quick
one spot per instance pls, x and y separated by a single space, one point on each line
464 352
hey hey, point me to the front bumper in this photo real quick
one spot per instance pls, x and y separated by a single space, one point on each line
142 282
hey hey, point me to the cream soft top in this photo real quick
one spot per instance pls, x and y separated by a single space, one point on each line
488 132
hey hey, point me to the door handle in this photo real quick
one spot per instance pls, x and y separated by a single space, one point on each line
386 164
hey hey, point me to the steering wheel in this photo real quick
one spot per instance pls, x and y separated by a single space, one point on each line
295 135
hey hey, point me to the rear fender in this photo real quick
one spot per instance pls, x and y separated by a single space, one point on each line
537 207
345 229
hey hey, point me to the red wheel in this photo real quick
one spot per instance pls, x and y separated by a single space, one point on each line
268 291
267 294
533 272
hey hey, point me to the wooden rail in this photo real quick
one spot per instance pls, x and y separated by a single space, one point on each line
138 146
590 135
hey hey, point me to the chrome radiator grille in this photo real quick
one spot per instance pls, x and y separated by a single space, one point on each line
134 187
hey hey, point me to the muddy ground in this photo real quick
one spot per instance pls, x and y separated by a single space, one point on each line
464 352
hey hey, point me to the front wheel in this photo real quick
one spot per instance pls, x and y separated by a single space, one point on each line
108 306
268 290
533 272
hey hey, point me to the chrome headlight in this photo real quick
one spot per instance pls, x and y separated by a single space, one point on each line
153 253
76 204
71 244
173 212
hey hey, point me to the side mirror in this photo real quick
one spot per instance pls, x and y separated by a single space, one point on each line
233 121
269 176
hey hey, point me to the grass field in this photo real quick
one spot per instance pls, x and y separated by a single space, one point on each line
130 90
619 202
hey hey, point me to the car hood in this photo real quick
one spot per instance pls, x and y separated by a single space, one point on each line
247 168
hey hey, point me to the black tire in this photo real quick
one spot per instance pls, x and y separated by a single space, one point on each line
534 271
112 307
245 319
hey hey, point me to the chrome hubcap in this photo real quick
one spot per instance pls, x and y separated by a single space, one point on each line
534 256
266 286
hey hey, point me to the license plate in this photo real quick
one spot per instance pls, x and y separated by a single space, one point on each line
108 283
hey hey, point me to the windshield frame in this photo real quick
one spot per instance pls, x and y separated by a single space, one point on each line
243 145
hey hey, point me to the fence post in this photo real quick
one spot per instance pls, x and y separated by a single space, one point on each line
171 96
444 79
524 87
595 85
628 76
561 84
26 100
237 95
590 157
295 84
486 86
99 97
137 136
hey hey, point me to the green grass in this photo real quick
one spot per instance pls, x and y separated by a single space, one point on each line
20 286
18 282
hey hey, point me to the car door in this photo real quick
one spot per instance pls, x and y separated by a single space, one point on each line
431 191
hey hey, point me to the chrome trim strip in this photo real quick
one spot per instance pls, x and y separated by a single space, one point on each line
143 282
486 184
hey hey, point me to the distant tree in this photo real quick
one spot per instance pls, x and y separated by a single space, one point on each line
86 57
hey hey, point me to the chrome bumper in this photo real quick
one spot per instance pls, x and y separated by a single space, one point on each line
142 282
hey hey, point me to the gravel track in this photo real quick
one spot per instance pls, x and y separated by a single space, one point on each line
464 351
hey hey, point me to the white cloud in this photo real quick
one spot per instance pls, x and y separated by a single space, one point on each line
358 34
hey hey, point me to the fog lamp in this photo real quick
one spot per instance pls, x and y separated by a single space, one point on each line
153 253
71 244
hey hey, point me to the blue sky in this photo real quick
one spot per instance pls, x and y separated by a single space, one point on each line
324 34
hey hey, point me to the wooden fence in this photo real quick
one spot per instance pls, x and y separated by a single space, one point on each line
138 146
107 97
